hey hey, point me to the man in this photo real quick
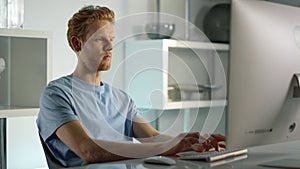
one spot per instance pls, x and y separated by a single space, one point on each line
84 120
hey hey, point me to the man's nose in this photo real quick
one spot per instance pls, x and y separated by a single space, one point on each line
108 46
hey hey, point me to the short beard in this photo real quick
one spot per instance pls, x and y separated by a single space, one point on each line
104 67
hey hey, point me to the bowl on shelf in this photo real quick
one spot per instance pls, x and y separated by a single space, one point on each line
160 30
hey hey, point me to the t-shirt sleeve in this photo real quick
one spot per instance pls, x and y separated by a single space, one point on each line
55 110
132 115
134 111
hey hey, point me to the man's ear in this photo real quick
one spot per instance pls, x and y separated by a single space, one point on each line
76 44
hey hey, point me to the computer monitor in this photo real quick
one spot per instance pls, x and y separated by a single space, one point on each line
263 98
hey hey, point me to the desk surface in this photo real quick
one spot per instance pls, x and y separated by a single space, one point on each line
256 155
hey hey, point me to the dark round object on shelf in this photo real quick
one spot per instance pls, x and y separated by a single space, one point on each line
216 23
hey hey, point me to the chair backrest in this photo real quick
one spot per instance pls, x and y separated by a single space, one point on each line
52 162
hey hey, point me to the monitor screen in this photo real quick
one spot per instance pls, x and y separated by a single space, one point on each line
263 102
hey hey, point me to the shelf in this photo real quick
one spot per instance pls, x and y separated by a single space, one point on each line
197 45
194 104
25 33
185 44
16 111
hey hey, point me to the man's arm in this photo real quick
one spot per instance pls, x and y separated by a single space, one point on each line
75 137
92 151
144 132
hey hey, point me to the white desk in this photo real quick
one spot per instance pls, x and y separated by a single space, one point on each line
256 155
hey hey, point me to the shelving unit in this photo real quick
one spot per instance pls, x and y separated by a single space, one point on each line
27 55
152 67
28 69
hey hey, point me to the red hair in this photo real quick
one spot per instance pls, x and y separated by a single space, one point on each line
81 21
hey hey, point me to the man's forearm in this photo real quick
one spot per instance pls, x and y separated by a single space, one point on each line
99 155
104 151
157 138
118 150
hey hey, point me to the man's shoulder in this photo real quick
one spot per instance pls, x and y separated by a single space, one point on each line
61 83
62 79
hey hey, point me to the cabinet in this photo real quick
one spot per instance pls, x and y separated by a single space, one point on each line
27 70
170 74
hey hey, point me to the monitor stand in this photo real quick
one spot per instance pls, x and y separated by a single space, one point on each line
296 85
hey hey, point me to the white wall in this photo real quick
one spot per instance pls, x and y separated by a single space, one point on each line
53 16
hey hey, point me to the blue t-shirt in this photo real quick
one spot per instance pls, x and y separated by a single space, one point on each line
105 112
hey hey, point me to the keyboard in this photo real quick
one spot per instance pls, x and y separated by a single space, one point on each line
211 156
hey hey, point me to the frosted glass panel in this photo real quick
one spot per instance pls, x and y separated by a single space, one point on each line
25 74
24 149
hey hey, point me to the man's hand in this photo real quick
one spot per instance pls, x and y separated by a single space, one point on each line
209 142
182 142
194 141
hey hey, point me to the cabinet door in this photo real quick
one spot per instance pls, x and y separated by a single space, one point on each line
27 57
24 149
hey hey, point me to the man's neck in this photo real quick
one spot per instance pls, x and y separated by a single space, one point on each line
91 78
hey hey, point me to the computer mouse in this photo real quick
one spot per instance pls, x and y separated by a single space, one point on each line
160 160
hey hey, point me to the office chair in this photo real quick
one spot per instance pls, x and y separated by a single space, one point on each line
52 162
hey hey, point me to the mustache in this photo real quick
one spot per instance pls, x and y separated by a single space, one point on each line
108 54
